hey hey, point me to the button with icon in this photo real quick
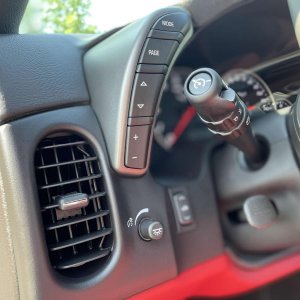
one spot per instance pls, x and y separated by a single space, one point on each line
137 146
145 94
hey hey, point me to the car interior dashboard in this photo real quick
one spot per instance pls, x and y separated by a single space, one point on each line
156 161
259 62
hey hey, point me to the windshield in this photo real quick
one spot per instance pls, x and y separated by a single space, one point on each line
85 16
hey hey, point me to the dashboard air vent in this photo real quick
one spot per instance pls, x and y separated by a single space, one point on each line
74 204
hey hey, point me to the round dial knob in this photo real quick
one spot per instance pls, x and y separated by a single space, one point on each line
150 230
218 106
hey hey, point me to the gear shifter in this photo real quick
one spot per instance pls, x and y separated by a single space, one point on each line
223 112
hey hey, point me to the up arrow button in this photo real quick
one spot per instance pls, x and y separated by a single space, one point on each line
145 93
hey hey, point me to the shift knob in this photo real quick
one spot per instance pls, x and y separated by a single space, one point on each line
223 112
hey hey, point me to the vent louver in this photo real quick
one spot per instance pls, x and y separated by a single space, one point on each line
79 238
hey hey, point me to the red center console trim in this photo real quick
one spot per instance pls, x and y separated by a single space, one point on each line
220 277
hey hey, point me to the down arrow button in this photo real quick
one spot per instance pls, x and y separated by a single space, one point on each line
145 93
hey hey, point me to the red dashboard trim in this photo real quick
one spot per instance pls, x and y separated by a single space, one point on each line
220 277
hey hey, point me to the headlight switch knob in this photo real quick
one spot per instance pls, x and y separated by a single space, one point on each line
150 229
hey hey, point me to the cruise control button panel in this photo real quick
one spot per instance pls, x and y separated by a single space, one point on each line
157 51
125 75
165 36
145 94
137 146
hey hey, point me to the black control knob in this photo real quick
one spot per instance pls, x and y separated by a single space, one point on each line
223 112
150 230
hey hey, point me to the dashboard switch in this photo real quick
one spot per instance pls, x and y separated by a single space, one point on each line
140 121
153 69
150 230
158 51
166 35
145 94
137 146
178 22
183 208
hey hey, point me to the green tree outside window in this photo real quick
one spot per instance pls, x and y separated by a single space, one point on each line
70 16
